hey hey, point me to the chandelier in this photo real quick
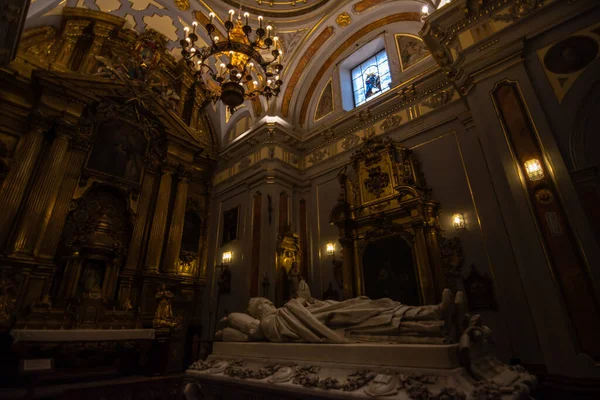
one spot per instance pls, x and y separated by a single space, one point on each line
235 68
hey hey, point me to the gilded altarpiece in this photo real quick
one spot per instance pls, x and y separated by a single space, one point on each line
388 226
104 203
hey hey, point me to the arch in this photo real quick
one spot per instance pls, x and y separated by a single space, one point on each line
403 16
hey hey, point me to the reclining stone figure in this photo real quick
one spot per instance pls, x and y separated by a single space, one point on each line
360 319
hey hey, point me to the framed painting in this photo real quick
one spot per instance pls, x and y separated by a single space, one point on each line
230 225
411 50
325 104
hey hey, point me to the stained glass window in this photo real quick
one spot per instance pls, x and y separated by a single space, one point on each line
371 78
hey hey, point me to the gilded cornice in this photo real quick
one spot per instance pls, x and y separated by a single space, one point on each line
84 13
403 107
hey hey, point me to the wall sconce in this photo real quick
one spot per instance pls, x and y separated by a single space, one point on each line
534 169
227 257
459 221
424 13
330 249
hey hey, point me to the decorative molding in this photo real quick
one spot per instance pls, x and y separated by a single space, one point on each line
343 20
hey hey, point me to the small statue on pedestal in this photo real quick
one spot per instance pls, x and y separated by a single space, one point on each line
163 318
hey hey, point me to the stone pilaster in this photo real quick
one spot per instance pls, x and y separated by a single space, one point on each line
137 236
177 219
39 205
49 241
159 222
18 176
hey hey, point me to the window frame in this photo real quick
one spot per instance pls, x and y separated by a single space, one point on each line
359 65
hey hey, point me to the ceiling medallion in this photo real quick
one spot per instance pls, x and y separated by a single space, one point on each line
343 19
182 4
234 69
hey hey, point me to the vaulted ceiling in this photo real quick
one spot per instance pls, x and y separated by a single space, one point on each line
314 33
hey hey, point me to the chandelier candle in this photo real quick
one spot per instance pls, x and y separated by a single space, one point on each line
238 67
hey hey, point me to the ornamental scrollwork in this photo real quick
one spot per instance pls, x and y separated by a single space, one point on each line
317 156
439 98
391 122
350 141
377 181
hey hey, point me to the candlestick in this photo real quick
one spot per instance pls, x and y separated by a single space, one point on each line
269 27
260 21
211 15
231 12
194 24
246 16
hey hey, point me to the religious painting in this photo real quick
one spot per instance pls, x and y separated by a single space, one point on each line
325 105
119 150
411 50
230 225
389 271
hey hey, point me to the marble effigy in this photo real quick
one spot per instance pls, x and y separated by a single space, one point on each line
304 319
464 367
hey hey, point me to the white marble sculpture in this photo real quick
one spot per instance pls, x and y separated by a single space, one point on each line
360 319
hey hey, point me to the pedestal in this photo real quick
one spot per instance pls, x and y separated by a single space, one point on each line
358 371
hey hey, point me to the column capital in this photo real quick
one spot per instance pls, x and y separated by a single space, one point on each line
185 172
169 167
39 122
66 129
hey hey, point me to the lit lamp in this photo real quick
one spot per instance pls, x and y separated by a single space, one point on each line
424 13
459 221
330 249
227 257
534 169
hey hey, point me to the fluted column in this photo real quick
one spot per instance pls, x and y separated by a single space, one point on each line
176 228
159 222
141 216
48 243
19 174
39 205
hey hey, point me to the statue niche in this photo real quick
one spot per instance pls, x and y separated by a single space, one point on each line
388 226
94 244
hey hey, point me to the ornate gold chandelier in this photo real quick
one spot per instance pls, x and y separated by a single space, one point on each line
234 68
